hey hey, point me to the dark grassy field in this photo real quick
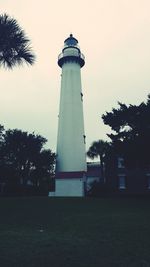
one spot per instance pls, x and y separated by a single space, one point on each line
76 232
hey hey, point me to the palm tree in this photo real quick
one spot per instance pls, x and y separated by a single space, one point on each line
14 45
99 149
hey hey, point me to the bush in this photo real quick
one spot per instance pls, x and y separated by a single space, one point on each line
99 189
20 190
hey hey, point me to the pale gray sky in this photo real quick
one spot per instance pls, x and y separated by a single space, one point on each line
114 36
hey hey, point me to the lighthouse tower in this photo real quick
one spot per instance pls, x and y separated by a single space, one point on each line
71 153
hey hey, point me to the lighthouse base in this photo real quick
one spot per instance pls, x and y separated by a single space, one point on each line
70 184
69 188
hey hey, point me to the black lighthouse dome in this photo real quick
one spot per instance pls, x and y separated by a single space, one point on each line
71 41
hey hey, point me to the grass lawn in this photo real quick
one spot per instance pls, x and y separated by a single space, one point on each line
74 232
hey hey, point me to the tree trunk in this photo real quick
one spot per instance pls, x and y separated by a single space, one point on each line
102 169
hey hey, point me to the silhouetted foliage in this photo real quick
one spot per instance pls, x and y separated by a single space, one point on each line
14 45
99 189
99 149
131 133
23 160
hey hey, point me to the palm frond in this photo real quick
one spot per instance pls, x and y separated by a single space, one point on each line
15 47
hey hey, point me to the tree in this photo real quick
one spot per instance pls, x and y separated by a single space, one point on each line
99 149
1 134
131 133
24 159
43 167
14 45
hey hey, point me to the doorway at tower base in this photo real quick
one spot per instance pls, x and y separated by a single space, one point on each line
70 184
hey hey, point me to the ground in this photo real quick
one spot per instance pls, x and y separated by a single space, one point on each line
74 232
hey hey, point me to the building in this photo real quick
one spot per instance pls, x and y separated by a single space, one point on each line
93 174
126 181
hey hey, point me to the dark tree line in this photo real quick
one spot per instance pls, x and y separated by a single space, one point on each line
24 160
129 139
130 135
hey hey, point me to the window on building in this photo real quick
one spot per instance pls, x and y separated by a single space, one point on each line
148 180
122 181
120 162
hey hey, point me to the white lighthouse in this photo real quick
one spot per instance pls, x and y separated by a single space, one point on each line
71 153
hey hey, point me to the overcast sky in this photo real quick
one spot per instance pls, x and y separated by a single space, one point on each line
114 36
